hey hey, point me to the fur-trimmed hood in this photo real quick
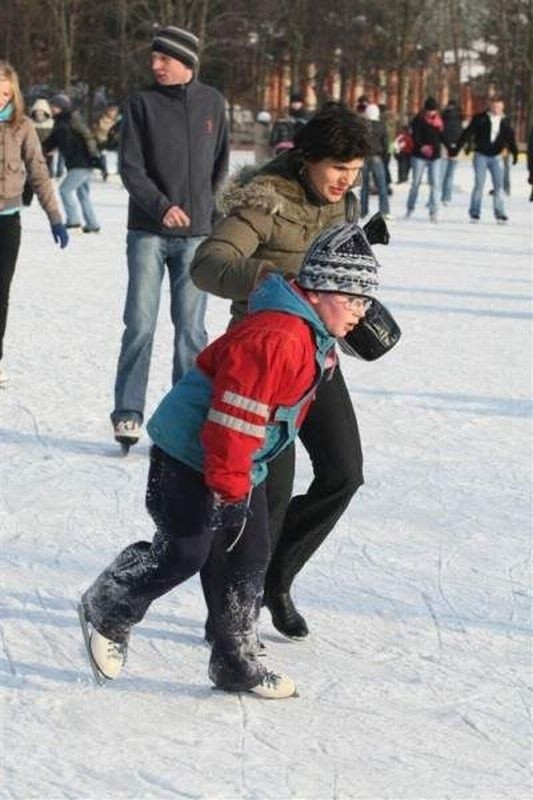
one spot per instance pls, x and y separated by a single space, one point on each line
266 188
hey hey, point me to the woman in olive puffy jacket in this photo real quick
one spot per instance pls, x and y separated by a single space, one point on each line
271 219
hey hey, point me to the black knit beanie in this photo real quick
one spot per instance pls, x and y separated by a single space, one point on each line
177 43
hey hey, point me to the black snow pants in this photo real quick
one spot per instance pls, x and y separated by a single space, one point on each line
299 525
9 248
178 501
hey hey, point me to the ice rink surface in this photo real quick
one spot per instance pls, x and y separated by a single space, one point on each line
415 683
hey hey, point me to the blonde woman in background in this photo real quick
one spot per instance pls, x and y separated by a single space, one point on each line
20 155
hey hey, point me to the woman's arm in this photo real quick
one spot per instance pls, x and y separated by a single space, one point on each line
35 164
225 264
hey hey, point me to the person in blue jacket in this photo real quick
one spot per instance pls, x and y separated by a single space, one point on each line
214 434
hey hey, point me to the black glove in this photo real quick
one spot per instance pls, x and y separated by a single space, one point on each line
376 230
98 162
374 336
224 515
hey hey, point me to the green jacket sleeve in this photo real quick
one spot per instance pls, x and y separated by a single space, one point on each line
225 263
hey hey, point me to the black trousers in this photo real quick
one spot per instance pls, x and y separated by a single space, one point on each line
300 524
178 502
9 249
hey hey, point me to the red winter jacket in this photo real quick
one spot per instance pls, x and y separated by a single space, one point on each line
249 392
267 361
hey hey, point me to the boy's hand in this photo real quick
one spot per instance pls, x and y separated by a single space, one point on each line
226 515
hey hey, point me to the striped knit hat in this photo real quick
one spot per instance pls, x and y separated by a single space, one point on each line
340 260
177 43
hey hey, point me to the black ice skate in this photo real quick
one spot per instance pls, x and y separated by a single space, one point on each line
285 617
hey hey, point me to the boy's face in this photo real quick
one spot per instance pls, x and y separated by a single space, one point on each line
340 313
169 71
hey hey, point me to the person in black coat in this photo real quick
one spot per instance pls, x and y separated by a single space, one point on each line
285 129
489 134
78 147
375 162
174 155
451 133
426 129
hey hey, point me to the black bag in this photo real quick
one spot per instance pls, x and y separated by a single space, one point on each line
374 336
376 230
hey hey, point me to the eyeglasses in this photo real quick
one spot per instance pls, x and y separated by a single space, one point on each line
354 301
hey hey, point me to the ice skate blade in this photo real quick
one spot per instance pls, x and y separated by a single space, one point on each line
248 692
125 445
290 637
99 677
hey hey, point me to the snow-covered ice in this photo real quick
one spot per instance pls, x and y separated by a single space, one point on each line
416 681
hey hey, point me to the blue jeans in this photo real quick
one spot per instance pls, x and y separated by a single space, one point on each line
148 254
449 165
78 180
494 165
374 166
418 166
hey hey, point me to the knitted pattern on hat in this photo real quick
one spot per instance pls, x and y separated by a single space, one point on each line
177 43
340 260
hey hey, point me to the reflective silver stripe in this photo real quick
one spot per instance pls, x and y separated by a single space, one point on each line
246 403
236 424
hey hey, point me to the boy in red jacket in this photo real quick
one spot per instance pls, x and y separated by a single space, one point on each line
213 435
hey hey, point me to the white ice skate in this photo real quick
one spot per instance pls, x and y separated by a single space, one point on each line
105 656
275 687
127 432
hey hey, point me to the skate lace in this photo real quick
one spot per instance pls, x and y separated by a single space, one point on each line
271 680
127 425
117 651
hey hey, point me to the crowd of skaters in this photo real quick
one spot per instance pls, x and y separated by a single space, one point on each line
427 147
248 537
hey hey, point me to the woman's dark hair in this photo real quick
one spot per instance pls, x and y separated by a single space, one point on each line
333 132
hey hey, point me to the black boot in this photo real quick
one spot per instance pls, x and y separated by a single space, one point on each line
285 617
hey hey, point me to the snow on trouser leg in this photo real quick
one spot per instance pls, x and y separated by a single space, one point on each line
111 604
233 664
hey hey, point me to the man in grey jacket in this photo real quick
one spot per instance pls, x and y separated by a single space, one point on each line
174 155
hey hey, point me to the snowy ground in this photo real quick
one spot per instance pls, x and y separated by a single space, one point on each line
416 681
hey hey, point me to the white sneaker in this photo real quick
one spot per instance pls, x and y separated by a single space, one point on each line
127 431
108 656
275 687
